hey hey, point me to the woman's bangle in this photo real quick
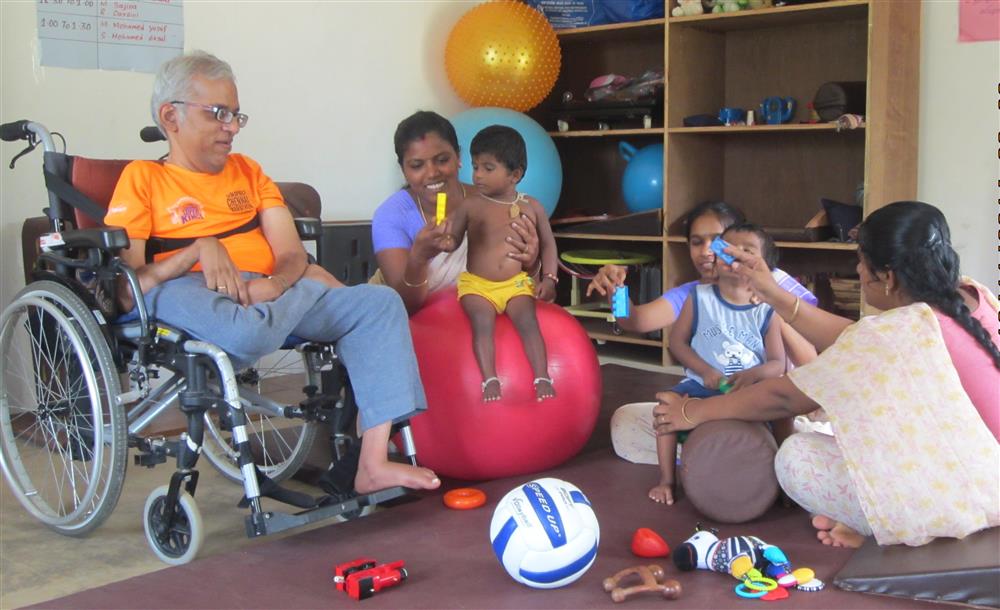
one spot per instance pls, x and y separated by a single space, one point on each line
417 285
551 276
795 310
684 410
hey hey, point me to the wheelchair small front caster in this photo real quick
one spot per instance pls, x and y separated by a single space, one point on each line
179 542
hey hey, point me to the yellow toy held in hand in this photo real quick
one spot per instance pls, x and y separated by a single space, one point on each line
442 208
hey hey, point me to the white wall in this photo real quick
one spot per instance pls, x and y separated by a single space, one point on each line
959 123
326 82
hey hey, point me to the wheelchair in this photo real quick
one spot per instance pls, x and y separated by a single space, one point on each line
78 386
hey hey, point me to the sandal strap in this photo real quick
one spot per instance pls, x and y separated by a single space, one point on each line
490 380
538 379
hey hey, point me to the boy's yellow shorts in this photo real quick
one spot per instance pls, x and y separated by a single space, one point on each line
497 293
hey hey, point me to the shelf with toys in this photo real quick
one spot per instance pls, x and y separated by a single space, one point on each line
776 16
739 129
777 170
779 173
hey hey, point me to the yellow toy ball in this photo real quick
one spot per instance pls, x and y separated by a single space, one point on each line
503 53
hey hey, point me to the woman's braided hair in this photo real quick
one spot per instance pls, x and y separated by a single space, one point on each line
912 239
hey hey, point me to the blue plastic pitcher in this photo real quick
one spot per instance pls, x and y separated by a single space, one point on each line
777 110
642 184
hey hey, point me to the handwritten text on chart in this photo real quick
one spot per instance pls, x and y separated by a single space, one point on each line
110 34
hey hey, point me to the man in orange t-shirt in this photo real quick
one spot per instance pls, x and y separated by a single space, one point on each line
243 281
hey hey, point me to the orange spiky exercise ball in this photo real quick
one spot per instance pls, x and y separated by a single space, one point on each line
503 53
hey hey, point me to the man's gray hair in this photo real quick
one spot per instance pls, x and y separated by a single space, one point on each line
173 80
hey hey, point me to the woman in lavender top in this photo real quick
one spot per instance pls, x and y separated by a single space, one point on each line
406 237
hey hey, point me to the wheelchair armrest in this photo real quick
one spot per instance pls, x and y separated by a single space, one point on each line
110 239
309 228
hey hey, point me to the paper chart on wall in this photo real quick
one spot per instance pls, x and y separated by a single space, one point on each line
136 35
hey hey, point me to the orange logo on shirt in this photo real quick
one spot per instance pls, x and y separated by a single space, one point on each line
186 210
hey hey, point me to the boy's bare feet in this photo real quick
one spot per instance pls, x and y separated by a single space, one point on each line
391 474
663 493
491 389
544 389
832 533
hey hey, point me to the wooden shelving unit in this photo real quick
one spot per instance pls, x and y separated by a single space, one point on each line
775 173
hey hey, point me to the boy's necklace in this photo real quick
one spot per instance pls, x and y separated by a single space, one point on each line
515 210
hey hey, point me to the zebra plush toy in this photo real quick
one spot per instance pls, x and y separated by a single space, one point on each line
735 556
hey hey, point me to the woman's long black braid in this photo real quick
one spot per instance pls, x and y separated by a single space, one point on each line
912 239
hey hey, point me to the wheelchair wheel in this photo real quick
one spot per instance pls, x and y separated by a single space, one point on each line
62 430
279 444
182 540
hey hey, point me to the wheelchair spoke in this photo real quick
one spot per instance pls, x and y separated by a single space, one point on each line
62 441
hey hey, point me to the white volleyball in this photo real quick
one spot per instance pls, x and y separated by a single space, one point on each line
545 533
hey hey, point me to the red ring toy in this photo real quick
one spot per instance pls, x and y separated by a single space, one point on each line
464 498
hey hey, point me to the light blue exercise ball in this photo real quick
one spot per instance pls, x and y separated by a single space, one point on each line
543 180
642 184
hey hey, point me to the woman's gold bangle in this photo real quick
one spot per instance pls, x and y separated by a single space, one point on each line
417 285
684 411
795 310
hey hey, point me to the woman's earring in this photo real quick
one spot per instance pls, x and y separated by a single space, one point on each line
887 289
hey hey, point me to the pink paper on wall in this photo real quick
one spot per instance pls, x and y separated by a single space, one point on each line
978 20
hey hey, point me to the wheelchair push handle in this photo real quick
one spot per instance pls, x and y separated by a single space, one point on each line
30 131
151 134
11 132
27 130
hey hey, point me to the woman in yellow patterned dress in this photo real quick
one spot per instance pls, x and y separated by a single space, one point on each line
911 393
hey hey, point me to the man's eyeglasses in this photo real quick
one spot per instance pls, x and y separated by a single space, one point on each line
222 114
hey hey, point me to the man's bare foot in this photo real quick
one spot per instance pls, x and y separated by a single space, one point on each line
544 389
832 533
662 494
491 389
392 474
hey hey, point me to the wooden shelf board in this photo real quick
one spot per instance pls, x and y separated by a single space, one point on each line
817 245
796 127
801 245
819 12
611 30
600 330
609 237
605 133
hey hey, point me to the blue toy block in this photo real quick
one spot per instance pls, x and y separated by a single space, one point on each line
619 302
719 246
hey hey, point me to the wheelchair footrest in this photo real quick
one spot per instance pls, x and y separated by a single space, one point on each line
264 523
270 489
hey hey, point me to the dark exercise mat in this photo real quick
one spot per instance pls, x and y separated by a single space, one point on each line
946 570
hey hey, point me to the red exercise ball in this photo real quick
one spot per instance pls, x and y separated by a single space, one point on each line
463 437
